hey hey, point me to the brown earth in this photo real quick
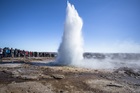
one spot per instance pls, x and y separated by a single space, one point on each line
35 78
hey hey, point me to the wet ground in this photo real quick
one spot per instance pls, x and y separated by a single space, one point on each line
36 77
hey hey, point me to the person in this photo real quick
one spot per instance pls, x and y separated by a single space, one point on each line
1 54
4 52
12 52
16 53
23 52
8 52
26 53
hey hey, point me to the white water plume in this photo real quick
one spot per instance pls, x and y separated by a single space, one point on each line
71 50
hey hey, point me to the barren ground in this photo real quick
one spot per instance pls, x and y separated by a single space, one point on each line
32 75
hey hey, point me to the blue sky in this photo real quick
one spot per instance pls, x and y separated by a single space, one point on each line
37 25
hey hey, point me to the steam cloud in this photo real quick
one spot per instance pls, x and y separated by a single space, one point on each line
124 46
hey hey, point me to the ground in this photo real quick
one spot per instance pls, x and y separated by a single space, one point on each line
33 76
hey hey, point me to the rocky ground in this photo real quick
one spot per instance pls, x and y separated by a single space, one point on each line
33 76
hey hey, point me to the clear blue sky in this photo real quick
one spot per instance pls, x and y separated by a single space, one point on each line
37 25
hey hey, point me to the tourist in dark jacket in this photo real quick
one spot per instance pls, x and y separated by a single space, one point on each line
16 53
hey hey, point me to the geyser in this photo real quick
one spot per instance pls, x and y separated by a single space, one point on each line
70 51
71 48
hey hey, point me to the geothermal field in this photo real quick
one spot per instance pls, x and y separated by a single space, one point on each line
73 70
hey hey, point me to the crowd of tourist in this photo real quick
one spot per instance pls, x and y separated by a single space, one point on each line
10 52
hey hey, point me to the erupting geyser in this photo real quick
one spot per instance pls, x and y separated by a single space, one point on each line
70 50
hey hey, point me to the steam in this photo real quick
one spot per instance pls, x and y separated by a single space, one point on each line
124 46
71 50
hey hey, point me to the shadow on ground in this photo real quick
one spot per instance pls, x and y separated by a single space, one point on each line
32 63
